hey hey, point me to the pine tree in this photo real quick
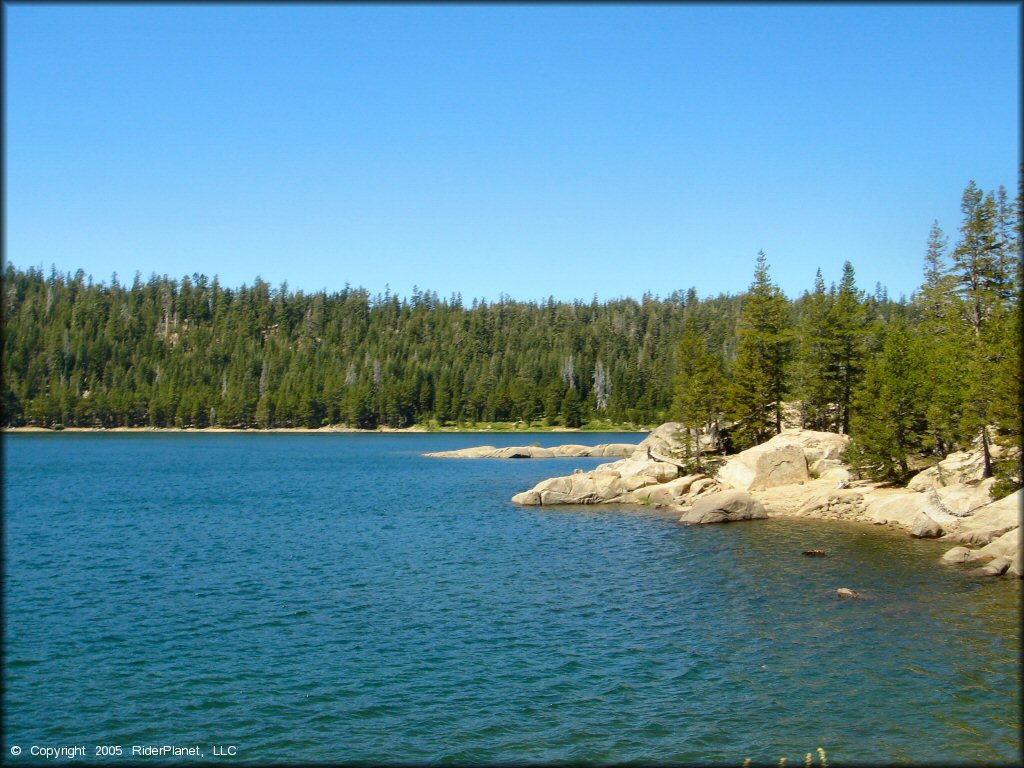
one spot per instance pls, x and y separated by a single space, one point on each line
980 279
763 349
699 393
811 371
942 348
980 269
888 414
846 328
572 408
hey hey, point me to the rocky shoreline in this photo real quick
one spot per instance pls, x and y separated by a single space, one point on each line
800 473
605 450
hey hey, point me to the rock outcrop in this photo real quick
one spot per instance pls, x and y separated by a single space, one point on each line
988 522
956 469
724 507
924 527
800 473
795 456
672 492
670 440
608 483
1001 555
996 527
605 450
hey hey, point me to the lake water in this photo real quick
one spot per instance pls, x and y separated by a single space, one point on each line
338 597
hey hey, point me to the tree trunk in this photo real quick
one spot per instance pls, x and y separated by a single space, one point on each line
986 452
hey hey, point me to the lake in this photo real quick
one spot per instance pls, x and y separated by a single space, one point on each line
340 598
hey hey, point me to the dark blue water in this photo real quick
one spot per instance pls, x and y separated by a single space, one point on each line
340 598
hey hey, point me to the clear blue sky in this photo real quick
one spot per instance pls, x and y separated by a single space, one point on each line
527 150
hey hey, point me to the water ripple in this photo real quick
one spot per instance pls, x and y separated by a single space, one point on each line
270 591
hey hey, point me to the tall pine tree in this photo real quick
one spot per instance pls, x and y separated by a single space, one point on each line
762 352
812 381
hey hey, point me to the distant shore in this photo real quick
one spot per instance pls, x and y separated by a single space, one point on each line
321 430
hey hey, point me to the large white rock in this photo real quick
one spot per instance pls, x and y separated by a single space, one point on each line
765 466
653 471
1016 568
608 483
995 567
671 492
961 500
1002 554
723 507
1007 545
829 502
958 468
988 522
957 555
905 507
924 527
817 446
611 450
669 440
794 456
900 508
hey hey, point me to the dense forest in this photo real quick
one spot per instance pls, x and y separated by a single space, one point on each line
929 374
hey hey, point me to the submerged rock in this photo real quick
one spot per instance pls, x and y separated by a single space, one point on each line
847 593
996 567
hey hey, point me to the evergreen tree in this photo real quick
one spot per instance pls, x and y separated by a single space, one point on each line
888 415
572 410
700 387
980 277
982 280
813 385
763 349
846 336
942 347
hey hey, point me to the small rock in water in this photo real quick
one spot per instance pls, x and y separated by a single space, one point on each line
814 552
844 592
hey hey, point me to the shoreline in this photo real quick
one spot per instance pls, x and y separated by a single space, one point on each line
415 429
800 474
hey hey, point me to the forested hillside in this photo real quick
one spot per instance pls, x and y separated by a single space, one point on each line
918 375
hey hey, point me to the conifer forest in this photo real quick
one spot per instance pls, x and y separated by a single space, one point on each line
925 375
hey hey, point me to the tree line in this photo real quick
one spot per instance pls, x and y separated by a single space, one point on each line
938 373
926 375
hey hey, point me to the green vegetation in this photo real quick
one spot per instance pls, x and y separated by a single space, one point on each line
928 375
165 353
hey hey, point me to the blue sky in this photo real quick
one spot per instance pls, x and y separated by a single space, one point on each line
528 150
